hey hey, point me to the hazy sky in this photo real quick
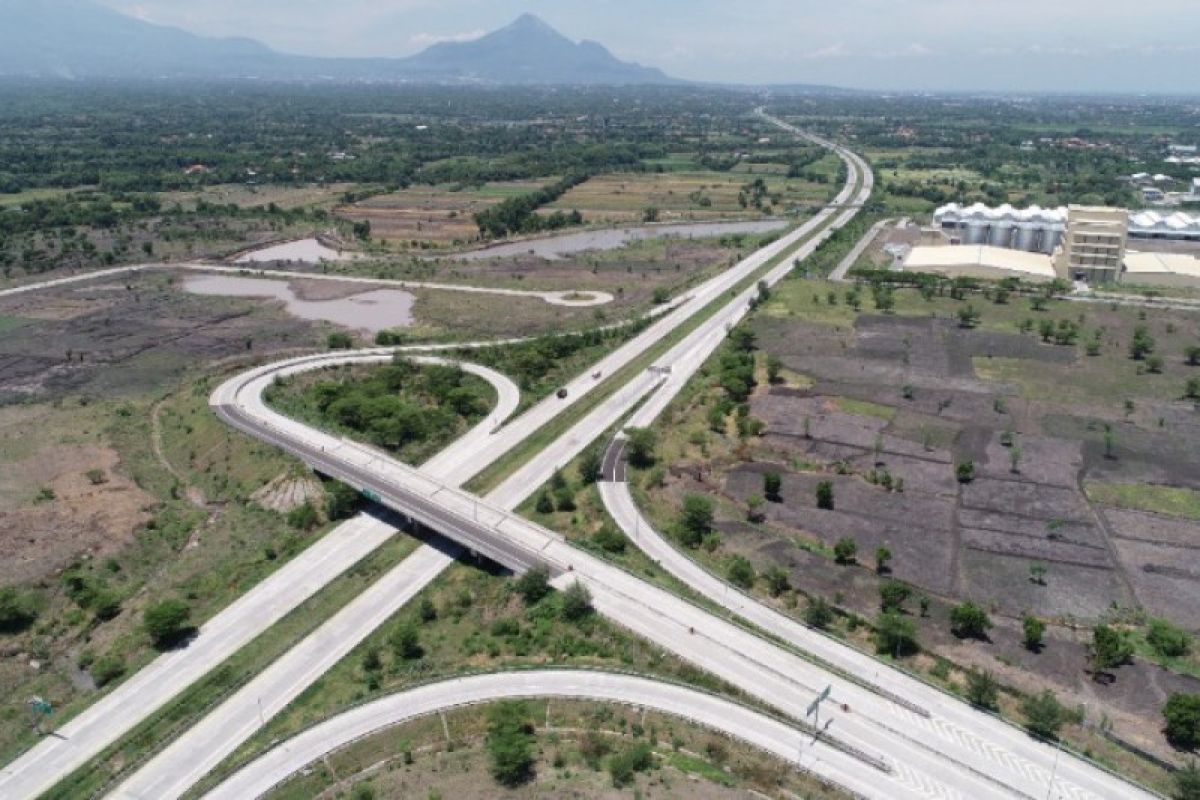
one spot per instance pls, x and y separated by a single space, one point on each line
1150 45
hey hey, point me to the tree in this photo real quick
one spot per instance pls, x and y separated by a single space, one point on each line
845 551
741 572
893 595
591 466
303 517
772 486
754 508
1192 390
636 758
17 611
544 504
427 611
1037 574
882 556
1193 355
983 690
609 539
895 635
1182 715
167 622
1187 783
576 602
534 584
969 620
1044 715
1034 630
965 472
510 742
641 443
1168 640
818 614
341 501
696 520
825 495
968 316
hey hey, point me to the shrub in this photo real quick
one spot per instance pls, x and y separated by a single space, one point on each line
167 622
741 572
1110 648
510 743
341 500
1167 640
576 602
406 642
591 466
107 669
845 551
1182 715
303 518
544 504
968 620
17 611
696 520
609 539
1034 630
633 759
965 472
983 690
534 584
1044 715
819 613
641 443
777 580
772 486
893 595
825 495
895 635
339 340
1187 783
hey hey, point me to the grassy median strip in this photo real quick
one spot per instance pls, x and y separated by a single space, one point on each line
153 734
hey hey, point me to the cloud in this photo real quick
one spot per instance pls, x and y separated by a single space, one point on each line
426 39
832 51
914 50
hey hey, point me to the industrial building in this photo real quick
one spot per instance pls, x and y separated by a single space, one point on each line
1094 245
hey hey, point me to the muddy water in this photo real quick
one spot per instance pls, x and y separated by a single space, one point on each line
308 250
553 247
373 311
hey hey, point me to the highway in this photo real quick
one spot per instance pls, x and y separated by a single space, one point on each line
760 730
935 759
153 686
239 402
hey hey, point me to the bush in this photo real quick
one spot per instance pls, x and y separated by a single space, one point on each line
544 504
696 520
341 501
609 539
641 443
983 690
1044 715
339 340
968 620
1034 629
965 472
534 585
576 602
303 518
406 642
1182 715
510 743
772 485
1110 648
17 611
825 495
107 669
895 635
167 622
741 572
819 613
1167 640
1187 783
777 581
630 761
591 466
893 595
845 551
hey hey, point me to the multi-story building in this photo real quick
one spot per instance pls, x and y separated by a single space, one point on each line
1094 246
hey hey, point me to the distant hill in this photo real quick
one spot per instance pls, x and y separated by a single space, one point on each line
82 39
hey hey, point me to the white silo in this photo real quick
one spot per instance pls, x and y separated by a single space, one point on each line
1028 236
1002 233
1051 239
977 230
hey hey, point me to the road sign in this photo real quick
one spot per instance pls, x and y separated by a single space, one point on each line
815 705
41 706
372 496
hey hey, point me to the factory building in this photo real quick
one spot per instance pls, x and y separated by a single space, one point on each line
1075 244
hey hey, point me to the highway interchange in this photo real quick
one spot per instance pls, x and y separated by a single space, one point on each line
890 735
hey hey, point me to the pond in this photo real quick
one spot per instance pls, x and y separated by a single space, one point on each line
307 250
375 310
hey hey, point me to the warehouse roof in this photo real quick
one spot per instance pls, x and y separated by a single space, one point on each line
1159 263
1017 261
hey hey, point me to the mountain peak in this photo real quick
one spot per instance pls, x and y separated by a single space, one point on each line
531 22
